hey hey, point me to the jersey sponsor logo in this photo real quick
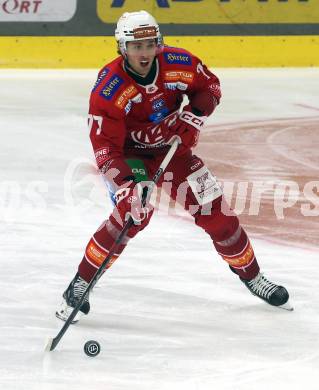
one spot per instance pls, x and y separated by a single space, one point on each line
111 87
158 105
182 86
137 99
150 137
156 96
160 109
179 75
100 78
125 96
145 147
128 107
173 86
157 117
154 136
101 155
178 58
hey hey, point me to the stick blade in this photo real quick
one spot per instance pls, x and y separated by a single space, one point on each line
51 344
48 344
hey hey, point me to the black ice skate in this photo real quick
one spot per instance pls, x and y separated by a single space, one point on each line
71 297
270 292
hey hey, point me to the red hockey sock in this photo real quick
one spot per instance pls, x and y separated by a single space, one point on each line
98 248
239 254
229 238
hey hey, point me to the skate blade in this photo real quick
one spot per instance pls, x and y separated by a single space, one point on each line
65 318
286 306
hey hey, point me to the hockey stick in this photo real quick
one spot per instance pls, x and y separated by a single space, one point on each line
53 342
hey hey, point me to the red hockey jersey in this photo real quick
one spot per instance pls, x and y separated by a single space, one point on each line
126 118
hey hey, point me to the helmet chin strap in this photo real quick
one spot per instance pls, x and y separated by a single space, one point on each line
122 48
159 49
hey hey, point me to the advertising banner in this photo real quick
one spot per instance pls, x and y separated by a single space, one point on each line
215 12
37 10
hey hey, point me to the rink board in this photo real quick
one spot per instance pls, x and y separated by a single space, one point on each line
216 51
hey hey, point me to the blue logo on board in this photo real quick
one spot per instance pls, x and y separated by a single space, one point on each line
111 87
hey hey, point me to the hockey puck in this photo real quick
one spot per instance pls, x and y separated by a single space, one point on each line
92 348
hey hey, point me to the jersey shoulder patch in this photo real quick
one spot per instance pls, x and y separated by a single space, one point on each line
115 91
111 86
176 55
110 80
101 76
178 68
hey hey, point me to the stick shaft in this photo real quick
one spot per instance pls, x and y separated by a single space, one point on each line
55 341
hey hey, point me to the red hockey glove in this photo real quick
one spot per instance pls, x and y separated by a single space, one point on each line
187 127
129 203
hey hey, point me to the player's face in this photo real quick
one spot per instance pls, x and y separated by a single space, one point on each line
140 55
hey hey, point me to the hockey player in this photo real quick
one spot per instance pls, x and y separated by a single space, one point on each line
135 110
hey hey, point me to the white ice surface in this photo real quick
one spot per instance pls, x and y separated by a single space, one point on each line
168 314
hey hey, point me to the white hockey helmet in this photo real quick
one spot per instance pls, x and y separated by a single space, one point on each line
135 26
